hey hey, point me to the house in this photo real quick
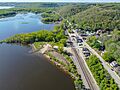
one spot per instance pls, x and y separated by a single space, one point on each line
55 47
98 32
79 40
69 43
80 45
114 64
102 48
86 52
73 35
83 35
85 49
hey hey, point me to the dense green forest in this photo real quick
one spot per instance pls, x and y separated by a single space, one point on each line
55 36
102 77
19 10
32 4
13 11
50 17
112 44
96 18
6 13
93 16
71 9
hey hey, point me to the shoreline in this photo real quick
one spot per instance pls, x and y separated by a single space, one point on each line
58 65
7 15
74 76
71 71
55 63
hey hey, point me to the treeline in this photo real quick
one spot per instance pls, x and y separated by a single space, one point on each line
38 5
57 35
93 42
72 9
92 16
34 10
96 18
14 11
69 67
68 10
102 77
50 17
32 4
112 45
6 13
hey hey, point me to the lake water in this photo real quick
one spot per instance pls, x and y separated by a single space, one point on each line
6 7
22 23
20 70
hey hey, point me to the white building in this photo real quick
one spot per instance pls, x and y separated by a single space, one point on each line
114 64
55 47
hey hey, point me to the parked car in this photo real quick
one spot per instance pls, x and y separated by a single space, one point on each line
80 45
85 49
86 52
79 40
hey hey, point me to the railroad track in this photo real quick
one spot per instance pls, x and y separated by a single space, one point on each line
84 70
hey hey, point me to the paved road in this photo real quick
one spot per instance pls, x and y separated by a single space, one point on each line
104 63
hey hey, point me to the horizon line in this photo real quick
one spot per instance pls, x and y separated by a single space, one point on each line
56 2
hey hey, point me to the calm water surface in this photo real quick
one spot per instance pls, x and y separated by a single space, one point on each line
20 70
22 23
6 7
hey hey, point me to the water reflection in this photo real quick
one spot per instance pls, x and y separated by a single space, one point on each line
20 70
22 23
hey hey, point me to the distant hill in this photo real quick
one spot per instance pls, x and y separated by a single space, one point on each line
32 4
72 9
93 16
98 17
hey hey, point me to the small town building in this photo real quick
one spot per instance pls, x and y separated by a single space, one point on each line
73 35
55 47
86 52
98 32
85 49
114 64
79 40
68 42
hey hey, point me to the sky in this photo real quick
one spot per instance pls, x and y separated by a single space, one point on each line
59 0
